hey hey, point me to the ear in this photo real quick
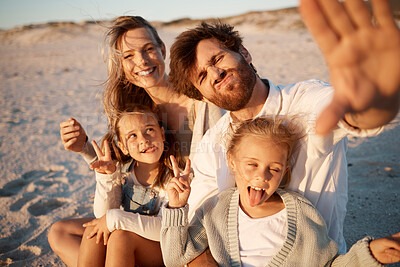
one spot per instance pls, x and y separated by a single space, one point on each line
163 51
123 148
245 53
231 163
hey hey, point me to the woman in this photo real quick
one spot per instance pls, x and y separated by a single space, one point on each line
136 71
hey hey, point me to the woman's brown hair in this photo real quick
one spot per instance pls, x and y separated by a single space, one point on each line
119 92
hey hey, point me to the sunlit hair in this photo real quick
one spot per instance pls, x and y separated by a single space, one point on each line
283 132
171 147
118 91
183 53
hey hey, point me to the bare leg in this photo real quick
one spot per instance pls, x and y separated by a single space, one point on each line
126 248
65 238
204 259
91 253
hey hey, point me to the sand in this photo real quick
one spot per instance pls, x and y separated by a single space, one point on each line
54 71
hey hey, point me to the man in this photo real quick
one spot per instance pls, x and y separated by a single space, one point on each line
210 63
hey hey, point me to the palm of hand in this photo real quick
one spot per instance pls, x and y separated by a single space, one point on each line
364 66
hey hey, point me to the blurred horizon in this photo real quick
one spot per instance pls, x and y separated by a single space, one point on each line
15 13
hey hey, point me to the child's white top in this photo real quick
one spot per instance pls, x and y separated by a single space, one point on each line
108 199
260 238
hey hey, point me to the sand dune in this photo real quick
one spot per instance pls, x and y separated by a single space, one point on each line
53 71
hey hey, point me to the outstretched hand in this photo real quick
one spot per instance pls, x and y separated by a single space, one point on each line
363 57
100 229
72 134
178 187
386 250
104 163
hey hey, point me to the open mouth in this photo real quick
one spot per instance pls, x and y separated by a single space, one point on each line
255 195
149 149
146 72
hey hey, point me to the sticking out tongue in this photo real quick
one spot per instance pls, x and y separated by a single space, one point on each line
254 196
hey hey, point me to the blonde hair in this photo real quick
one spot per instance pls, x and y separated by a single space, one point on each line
284 132
118 91
171 146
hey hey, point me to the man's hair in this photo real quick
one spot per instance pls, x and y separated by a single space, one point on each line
183 53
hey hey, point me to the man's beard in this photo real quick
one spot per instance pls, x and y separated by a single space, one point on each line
237 95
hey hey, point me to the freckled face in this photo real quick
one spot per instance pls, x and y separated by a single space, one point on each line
224 77
259 166
141 137
142 58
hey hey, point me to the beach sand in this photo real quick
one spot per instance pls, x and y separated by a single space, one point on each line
54 71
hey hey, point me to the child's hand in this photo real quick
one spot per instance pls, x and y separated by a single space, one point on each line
100 229
178 187
104 164
72 134
386 250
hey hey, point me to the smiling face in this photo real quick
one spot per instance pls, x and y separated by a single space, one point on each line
259 166
224 77
142 58
141 137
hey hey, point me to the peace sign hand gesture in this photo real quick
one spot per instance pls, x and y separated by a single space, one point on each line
104 164
178 187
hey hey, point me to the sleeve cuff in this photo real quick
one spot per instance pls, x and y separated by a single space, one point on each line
174 217
88 153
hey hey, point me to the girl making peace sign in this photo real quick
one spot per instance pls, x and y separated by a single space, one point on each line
132 174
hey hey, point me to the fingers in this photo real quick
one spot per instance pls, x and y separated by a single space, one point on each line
99 153
359 13
105 238
107 151
330 116
337 16
187 167
176 184
175 166
382 13
318 25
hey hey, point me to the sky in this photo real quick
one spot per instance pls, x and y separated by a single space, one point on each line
22 12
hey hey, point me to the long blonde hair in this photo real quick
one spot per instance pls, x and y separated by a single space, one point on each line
118 91
285 132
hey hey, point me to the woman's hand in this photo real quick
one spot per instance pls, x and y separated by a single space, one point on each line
104 164
72 134
178 188
100 229
386 250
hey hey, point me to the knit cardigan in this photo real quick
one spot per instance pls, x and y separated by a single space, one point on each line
215 225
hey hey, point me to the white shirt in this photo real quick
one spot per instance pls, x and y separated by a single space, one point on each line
260 238
320 169
108 198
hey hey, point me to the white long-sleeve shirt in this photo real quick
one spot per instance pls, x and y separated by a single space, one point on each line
320 168
108 199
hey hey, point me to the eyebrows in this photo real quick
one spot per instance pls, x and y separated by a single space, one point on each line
138 48
203 69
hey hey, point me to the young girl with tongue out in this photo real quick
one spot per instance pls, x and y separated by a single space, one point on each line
258 223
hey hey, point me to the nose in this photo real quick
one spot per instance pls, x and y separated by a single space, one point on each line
216 74
264 175
143 139
141 58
